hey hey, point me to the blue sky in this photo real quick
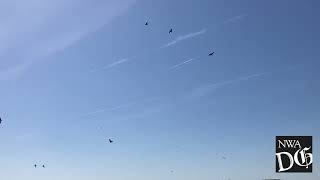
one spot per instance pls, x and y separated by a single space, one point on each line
73 74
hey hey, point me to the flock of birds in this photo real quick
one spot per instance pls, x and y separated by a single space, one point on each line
43 166
110 140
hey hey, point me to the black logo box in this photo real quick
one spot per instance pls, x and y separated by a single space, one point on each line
305 141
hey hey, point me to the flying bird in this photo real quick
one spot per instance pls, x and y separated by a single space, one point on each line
224 158
0 120
171 30
147 23
35 166
110 141
210 54
43 166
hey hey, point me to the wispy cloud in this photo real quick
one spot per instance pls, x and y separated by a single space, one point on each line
12 72
114 108
184 37
25 136
235 18
180 64
116 63
36 29
121 106
204 90
141 113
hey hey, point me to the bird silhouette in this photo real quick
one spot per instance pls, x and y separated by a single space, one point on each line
147 23
210 54
0 120
43 166
224 158
35 166
110 141
171 30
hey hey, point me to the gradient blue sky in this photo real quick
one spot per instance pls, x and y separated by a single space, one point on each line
74 73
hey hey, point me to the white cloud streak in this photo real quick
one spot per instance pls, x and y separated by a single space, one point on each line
12 72
235 18
204 90
185 37
180 64
116 63
114 108
121 106
32 30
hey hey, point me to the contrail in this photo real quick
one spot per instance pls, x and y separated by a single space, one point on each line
126 105
182 63
184 37
110 109
242 78
203 90
175 41
116 63
235 18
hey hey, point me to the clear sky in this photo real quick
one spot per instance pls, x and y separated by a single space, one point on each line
75 73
